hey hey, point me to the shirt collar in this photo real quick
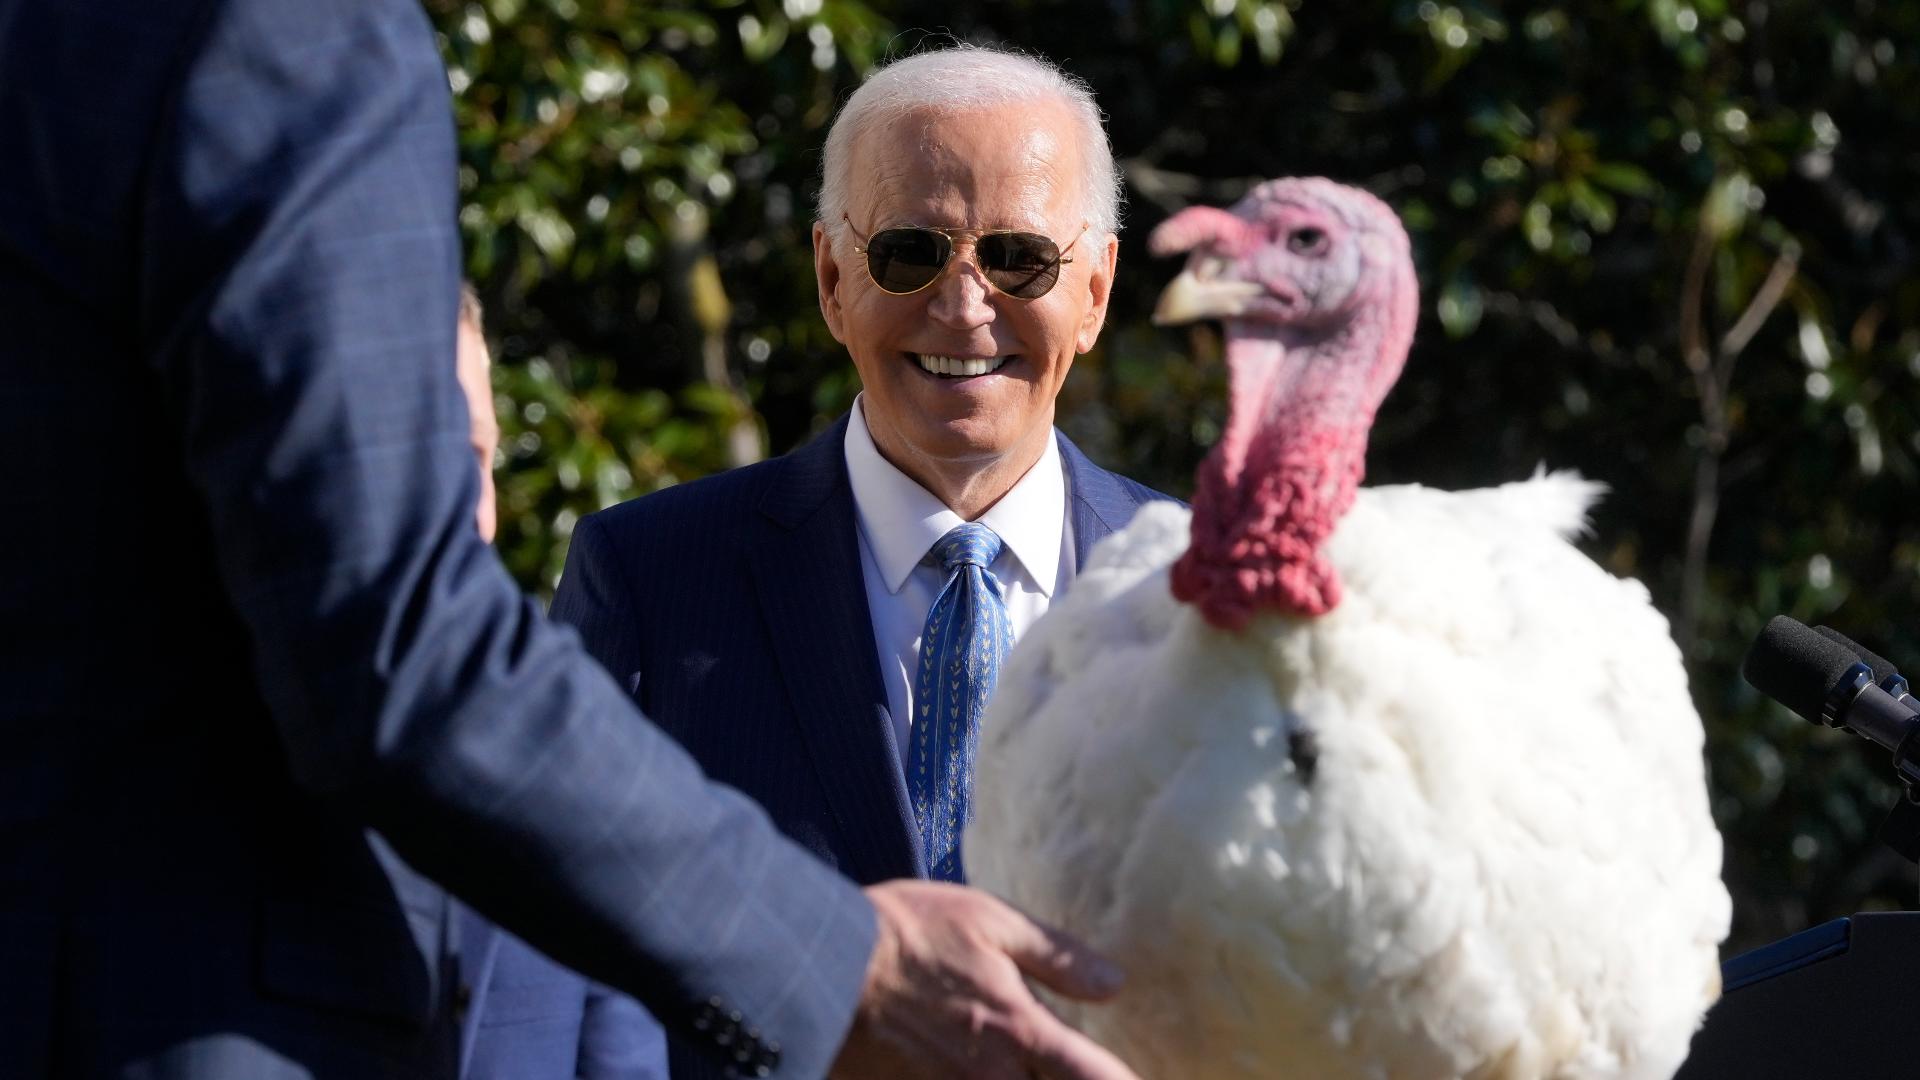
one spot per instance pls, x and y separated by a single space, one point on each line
902 520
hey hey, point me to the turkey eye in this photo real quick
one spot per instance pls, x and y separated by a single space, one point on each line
1307 241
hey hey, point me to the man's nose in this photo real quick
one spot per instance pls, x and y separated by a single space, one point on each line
961 297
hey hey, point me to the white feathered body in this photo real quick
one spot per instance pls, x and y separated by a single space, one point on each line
1503 864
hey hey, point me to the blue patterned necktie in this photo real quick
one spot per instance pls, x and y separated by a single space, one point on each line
966 637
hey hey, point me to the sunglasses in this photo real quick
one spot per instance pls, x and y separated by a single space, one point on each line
905 260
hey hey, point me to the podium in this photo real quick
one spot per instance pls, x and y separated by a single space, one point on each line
1836 1002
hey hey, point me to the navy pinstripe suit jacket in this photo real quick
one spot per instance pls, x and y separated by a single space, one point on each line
734 611
246 621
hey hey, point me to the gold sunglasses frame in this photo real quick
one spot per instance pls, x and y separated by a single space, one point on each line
953 248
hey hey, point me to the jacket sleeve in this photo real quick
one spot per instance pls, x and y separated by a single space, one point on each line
298 277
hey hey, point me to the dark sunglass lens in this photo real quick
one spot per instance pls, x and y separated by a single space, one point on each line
902 260
1024 265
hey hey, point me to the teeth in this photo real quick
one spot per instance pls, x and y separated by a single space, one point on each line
960 366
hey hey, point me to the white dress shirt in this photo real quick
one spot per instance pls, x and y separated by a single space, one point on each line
899 523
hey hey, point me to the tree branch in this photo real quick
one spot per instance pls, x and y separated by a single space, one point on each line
1713 380
1768 297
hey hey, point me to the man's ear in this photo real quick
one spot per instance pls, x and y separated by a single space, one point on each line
1099 290
826 273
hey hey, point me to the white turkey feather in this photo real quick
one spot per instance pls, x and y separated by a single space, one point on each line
1501 864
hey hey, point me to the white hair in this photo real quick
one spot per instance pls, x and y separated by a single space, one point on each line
961 79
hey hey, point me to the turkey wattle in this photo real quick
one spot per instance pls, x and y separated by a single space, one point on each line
1354 783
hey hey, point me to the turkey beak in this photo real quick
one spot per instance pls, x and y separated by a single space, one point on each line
1201 293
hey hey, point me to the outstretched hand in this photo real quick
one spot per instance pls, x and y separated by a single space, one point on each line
945 997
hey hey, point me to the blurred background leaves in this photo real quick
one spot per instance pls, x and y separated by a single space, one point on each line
1667 243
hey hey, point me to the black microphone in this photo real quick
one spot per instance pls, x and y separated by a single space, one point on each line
1826 683
1884 673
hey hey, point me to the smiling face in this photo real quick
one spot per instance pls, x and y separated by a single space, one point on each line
1003 168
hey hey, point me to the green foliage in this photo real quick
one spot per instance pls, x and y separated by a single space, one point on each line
634 201
1664 242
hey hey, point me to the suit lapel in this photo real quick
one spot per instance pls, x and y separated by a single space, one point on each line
806 567
1099 504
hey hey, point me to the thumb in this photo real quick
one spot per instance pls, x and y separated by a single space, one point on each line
1058 960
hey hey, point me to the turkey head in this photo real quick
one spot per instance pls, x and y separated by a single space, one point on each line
1314 285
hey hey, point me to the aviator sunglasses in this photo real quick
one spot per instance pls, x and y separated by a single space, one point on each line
907 259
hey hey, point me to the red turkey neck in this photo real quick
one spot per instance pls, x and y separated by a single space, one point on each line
1284 473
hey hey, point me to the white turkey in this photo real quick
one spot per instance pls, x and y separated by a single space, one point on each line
1354 783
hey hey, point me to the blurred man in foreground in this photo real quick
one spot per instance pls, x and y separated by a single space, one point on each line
255 653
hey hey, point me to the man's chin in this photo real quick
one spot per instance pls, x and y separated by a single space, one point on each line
967 442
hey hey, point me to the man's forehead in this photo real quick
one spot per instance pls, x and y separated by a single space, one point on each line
1022 156
1031 127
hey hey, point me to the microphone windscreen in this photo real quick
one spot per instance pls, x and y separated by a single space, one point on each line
1882 670
1796 667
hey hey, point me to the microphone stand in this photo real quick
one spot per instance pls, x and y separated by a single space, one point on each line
1901 828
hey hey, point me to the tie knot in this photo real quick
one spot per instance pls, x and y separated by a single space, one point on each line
972 544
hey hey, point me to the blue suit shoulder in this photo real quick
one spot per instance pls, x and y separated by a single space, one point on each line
1103 501
1141 493
707 512
671 516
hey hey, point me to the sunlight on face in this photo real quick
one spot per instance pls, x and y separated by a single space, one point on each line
1014 168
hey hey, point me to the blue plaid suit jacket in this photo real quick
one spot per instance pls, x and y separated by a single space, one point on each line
260 681
734 612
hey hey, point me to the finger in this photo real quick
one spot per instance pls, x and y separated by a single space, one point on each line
1061 1053
1058 960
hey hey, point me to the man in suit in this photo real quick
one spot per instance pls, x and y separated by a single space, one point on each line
779 619
254 654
